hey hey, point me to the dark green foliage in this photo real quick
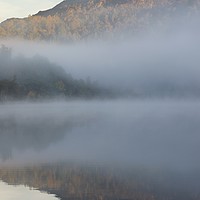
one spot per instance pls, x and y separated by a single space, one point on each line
8 88
38 78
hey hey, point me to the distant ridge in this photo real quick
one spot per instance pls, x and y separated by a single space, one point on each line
67 4
73 20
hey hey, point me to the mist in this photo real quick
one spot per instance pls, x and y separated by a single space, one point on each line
157 63
153 122
150 133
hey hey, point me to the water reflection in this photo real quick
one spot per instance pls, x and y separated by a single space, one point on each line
86 181
36 126
160 136
9 192
149 132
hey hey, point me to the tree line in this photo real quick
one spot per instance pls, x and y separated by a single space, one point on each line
32 78
95 19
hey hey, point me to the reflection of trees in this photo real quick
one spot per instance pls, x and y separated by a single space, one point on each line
34 132
72 181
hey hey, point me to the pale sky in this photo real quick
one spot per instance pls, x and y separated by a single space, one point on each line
22 8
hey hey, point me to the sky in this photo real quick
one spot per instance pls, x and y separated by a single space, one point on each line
23 8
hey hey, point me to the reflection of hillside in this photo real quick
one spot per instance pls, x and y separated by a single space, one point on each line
33 131
31 134
75 182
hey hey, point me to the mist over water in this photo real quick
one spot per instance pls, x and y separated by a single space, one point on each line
157 130
150 133
143 141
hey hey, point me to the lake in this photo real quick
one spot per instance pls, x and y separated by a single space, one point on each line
79 149
9 192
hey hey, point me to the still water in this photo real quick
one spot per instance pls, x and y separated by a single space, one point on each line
154 134
125 132
9 192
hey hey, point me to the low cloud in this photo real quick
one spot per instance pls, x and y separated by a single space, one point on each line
156 63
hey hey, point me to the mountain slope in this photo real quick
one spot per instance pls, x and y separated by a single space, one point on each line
68 4
84 19
36 77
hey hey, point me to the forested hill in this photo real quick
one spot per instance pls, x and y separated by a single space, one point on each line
33 78
62 7
73 20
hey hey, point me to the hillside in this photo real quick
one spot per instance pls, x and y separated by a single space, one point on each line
86 19
33 78
66 5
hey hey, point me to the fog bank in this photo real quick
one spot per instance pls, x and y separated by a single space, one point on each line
162 63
